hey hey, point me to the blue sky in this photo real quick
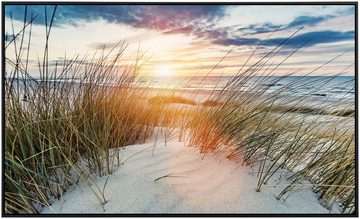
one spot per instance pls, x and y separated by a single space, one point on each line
190 39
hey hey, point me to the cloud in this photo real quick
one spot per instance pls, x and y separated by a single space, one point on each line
158 17
182 30
9 37
308 20
263 28
297 22
194 20
169 17
71 14
238 41
350 10
102 46
313 38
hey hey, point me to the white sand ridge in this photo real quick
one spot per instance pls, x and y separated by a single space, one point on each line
178 179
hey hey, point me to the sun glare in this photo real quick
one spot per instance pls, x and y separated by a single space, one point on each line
163 71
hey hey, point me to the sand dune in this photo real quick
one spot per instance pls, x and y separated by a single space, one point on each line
178 179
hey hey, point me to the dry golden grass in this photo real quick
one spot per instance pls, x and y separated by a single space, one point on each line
259 132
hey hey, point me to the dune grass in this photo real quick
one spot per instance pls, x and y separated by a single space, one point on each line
62 127
311 110
259 130
211 103
171 99
59 128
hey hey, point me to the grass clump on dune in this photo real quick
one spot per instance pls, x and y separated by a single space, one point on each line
63 126
311 110
258 130
310 147
210 103
171 99
59 127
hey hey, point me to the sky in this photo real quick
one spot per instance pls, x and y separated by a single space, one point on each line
183 40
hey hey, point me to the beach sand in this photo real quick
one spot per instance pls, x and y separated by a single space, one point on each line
175 178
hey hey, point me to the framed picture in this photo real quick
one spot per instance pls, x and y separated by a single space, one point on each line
179 109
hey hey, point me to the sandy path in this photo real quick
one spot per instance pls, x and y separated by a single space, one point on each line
195 184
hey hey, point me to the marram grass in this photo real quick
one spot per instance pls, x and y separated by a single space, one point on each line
315 144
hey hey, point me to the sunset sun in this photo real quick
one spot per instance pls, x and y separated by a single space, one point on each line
163 71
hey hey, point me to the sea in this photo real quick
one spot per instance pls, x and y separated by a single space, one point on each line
320 86
331 87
